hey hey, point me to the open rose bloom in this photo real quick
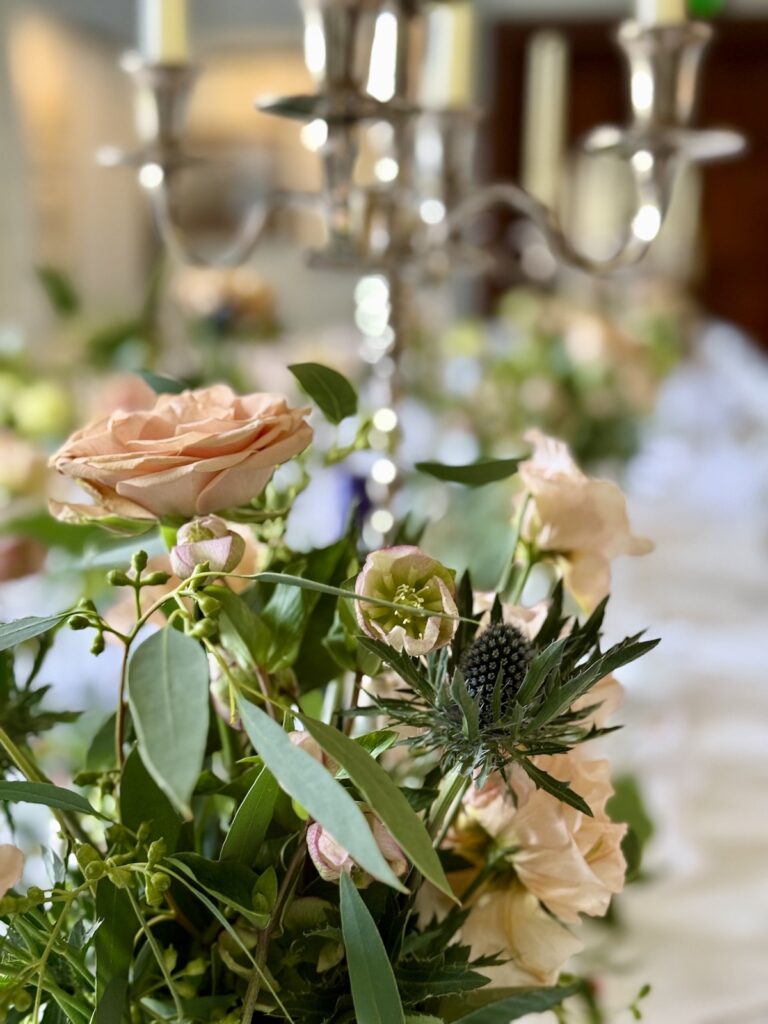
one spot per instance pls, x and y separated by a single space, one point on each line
189 455
578 517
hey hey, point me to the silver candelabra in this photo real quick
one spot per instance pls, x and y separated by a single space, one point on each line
413 221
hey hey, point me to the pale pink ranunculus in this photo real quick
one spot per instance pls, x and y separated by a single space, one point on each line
11 867
206 540
189 455
575 516
406 575
332 861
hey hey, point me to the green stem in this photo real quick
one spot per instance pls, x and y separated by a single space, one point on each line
509 568
284 893
158 954
448 803
45 957
32 773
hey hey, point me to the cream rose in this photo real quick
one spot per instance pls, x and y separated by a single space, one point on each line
189 455
580 518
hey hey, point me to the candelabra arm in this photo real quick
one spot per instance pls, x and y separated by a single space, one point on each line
651 208
251 232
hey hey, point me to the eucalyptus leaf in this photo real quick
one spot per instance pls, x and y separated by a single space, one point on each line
374 989
142 800
20 630
251 821
233 884
328 389
317 791
168 696
385 799
47 794
476 474
114 950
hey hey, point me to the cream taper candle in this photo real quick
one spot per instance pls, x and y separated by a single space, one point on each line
163 31
661 12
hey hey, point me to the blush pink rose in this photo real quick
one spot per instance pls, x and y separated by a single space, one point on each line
189 455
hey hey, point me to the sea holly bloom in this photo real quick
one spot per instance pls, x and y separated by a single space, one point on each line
11 867
189 455
332 860
576 517
406 575
206 540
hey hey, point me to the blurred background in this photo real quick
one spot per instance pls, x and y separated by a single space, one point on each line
657 375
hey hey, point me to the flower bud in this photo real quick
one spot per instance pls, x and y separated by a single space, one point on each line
116 578
139 561
156 579
332 860
405 575
97 647
206 540
79 622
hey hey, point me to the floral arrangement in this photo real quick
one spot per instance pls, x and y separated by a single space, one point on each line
336 787
582 373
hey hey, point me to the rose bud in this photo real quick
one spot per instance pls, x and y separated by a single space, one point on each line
332 860
406 575
206 540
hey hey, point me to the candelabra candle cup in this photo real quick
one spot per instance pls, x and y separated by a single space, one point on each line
664 64
338 42
163 93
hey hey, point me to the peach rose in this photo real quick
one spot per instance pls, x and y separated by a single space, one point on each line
191 454
11 867
582 519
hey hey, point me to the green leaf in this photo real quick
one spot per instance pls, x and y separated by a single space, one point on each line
163 385
142 800
47 794
112 1005
243 634
328 389
540 667
476 474
114 947
168 697
233 884
20 630
59 290
406 667
511 1008
374 989
385 799
251 821
317 791
555 787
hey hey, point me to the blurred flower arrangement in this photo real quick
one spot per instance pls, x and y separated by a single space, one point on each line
335 787
588 376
